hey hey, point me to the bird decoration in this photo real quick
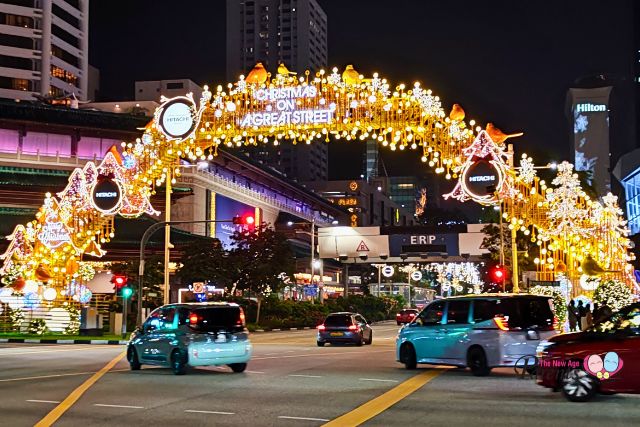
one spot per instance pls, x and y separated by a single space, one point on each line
257 75
591 268
350 76
457 113
498 136
561 267
283 70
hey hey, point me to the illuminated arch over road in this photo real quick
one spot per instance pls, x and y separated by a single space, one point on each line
260 110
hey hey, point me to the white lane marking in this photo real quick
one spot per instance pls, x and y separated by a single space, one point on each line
377 379
118 406
254 372
318 354
302 418
305 376
59 350
42 401
209 412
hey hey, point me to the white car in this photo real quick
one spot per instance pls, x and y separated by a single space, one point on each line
477 331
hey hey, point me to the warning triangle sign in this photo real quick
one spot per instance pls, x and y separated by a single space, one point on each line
362 247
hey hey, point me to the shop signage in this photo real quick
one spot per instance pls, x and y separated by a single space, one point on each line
106 195
177 118
282 108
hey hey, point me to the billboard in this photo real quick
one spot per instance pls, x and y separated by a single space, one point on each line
590 120
225 209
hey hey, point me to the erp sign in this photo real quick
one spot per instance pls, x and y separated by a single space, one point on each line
226 209
424 243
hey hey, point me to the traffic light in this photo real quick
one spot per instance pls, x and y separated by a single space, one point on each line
119 281
244 220
126 292
498 274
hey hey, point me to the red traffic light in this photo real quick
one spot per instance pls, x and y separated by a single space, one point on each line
244 220
498 273
119 280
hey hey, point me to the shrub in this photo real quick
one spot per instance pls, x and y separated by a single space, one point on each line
613 294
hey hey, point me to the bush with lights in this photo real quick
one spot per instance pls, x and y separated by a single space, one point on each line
559 303
613 294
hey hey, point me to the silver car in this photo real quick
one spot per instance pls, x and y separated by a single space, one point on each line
194 334
478 331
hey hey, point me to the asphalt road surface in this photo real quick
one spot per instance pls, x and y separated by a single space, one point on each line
289 382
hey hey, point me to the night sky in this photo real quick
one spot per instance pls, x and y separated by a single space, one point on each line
508 62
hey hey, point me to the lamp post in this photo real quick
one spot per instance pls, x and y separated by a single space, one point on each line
167 218
313 244
143 242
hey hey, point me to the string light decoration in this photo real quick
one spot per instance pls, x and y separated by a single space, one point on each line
264 110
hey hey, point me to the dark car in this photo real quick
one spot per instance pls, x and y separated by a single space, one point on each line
345 327
406 316
603 359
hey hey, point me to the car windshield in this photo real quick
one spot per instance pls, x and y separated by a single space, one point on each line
215 318
338 320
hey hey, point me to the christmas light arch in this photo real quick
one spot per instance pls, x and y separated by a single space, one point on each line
260 110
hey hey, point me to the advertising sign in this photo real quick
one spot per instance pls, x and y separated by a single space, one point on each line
227 208
177 118
479 177
590 117
106 195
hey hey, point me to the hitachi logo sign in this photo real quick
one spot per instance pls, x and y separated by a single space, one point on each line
590 108
481 178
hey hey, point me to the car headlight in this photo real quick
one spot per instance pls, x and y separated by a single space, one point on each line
542 347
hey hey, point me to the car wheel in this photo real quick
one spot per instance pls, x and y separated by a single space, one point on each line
132 357
477 362
238 367
370 340
178 363
408 356
360 341
578 385
320 343
399 323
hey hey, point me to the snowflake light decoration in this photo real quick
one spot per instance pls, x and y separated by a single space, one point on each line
527 169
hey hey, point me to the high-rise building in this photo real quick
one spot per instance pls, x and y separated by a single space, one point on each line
274 31
44 48
293 32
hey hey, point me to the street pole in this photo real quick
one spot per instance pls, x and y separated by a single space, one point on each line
502 249
379 278
321 285
514 260
313 249
124 316
143 242
167 235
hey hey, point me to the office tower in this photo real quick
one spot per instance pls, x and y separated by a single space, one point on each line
44 48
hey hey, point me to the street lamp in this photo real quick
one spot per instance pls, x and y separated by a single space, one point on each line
167 217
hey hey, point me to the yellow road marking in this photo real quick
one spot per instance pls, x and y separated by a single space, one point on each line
73 397
383 402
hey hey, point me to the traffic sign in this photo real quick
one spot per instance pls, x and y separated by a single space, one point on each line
416 276
388 270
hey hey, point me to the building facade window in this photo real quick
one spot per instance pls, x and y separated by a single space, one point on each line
64 75
17 20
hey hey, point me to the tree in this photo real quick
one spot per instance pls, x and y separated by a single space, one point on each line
614 294
206 261
260 260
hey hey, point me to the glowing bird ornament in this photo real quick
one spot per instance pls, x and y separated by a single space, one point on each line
257 75
457 113
350 76
498 136
283 70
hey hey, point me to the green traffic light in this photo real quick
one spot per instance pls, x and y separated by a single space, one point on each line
126 292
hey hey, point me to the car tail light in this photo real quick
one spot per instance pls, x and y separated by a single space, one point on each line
321 327
354 328
398 315
241 320
555 322
412 315
193 318
502 322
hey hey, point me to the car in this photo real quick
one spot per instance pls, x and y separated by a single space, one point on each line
406 315
344 327
602 359
192 334
478 331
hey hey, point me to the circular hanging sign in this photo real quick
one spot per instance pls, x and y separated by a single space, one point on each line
416 276
479 178
177 120
106 195
387 271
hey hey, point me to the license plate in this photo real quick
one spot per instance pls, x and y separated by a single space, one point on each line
221 338
336 334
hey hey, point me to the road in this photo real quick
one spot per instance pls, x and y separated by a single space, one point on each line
289 382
